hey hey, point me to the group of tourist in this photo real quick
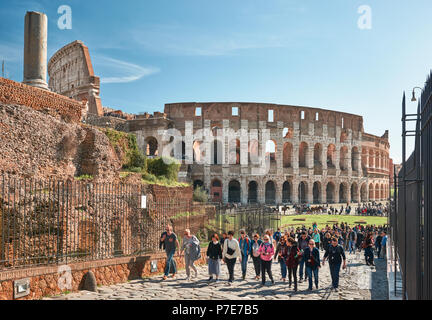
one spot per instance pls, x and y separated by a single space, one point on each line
365 209
297 251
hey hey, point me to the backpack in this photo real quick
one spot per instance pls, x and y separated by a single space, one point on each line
255 248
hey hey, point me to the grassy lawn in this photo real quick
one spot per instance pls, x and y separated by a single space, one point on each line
323 219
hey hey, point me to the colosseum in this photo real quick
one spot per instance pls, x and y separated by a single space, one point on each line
314 155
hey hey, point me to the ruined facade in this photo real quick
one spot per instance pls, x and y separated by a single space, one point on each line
71 74
314 155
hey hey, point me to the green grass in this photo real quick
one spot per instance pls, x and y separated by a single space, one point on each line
322 220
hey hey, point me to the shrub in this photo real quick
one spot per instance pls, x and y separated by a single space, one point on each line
149 177
84 177
160 167
200 195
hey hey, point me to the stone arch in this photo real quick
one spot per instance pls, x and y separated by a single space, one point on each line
198 154
316 192
216 190
252 192
234 191
179 151
234 151
318 154
355 157
253 151
354 192
286 192
363 193
377 191
287 155
343 192
371 159
271 150
371 192
270 192
151 147
382 192
330 192
302 192
303 155
217 152
331 156
343 162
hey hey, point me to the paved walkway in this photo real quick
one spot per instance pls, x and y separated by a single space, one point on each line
357 282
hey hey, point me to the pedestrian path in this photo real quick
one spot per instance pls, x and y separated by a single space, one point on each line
357 282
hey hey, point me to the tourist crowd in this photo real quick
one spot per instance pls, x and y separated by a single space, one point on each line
299 252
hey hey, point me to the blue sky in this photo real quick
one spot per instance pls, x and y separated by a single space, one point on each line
299 52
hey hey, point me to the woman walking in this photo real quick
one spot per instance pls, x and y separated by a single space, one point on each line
256 243
316 238
266 252
192 252
230 253
327 241
281 254
292 261
214 256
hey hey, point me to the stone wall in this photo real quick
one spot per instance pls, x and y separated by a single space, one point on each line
34 144
44 280
12 92
107 122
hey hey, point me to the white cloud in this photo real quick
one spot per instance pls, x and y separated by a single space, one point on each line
118 71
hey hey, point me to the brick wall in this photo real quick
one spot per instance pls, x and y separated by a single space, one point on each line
12 92
44 280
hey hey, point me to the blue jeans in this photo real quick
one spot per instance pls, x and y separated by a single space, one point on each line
170 263
309 272
244 264
351 246
283 269
301 264
334 272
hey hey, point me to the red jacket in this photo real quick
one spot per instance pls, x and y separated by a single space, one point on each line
291 260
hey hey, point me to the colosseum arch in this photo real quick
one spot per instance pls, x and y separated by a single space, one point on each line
287 154
382 192
270 192
198 183
371 192
343 163
355 157
217 152
234 191
343 192
318 150
271 150
302 192
377 192
377 160
216 190
198 155
286 192
330 192
151 145
316 192
363 193
234 151
252 192
331 155
253 151
303 155
179 151
371 159
354 192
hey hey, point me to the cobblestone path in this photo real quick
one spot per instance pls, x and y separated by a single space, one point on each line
357 282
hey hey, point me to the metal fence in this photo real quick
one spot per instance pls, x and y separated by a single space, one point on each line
50 222
411 218
251 218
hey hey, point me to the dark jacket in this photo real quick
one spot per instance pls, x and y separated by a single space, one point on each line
335 254
214 251
313 256
283 249
291 260
326 243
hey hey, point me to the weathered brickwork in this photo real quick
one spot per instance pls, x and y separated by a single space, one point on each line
315 155
44 280
12 92
71 74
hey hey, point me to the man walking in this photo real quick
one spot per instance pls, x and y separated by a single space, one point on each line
312 261
335 254
170 242
303 243
384 244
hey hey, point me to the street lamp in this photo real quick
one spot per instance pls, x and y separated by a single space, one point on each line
413 99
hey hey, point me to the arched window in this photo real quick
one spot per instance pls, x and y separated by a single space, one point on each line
234 191
303 154
331 154
270 192
287 155
151 147
271 150
252 192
